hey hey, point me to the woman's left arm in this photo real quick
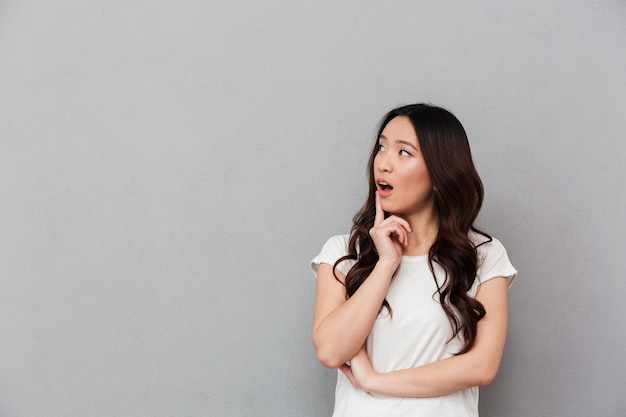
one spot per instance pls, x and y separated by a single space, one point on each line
477 367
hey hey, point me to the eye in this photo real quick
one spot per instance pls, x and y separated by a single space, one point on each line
404 153
381 148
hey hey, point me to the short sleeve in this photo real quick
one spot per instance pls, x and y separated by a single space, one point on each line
333 249
494 262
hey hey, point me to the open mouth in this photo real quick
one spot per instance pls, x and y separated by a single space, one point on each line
384 186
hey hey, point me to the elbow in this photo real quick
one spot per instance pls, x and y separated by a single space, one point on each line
328 358
485 380
482 368
486 375
328 354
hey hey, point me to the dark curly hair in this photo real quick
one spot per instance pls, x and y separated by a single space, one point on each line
458 197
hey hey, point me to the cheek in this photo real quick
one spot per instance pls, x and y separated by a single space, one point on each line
417 179
415 173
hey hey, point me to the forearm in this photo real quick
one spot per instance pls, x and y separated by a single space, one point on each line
477 367
341 333
434 379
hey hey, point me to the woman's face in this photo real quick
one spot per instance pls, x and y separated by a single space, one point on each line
401 176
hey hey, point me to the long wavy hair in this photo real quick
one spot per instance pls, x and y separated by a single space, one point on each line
458 196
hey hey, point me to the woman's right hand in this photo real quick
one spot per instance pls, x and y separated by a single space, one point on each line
389 235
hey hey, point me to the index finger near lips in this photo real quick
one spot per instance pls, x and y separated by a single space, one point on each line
380 216
380 213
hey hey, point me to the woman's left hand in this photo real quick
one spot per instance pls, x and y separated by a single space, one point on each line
360 372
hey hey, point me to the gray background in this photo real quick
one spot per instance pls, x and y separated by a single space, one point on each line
168 169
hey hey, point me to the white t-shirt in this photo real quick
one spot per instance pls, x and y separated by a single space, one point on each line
417 334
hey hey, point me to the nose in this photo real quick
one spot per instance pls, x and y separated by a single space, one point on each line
383 164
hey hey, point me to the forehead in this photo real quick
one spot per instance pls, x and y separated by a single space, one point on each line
399 129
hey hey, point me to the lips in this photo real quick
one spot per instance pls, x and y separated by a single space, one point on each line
384 188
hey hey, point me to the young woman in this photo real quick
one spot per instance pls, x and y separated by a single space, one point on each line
411 307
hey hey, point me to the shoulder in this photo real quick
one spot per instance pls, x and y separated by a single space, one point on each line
493 260
334 248
337 243
486 245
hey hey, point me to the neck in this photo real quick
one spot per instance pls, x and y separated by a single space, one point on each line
424 234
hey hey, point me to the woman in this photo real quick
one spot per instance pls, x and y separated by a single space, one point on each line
411 307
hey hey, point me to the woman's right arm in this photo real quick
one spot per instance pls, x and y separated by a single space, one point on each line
340 325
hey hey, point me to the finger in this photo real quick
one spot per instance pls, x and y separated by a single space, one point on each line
380 213
402 236
390 230
395 230
347 371
402 222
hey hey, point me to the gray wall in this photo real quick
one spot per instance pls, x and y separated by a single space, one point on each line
168 169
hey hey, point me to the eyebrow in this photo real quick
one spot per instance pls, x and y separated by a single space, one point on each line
400 141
